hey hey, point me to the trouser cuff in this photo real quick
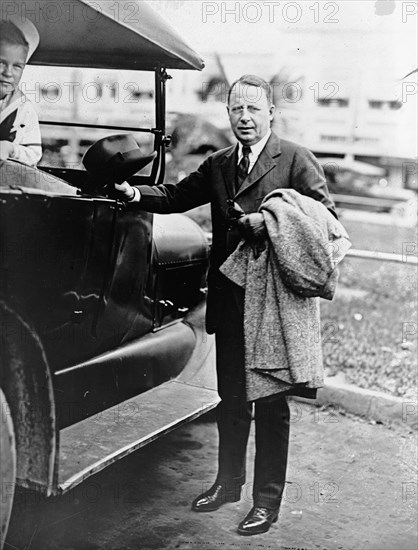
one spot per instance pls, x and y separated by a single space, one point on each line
232 486
267 503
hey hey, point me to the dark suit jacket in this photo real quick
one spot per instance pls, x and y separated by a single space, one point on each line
280 164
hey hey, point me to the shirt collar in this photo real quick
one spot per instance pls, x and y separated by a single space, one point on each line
10 98
257 147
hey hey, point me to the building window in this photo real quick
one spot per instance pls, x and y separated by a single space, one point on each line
114 88
375 104
51 92
393 105
367 140
333 102
341 139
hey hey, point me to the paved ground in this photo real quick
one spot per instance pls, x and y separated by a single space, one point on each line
352 486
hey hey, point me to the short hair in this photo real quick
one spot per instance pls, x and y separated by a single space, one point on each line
253 80
10 34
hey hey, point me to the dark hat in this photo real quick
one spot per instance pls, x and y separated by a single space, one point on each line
115 159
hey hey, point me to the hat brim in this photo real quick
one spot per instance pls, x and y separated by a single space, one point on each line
123 166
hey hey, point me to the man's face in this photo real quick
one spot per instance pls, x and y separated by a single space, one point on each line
12 63
249 113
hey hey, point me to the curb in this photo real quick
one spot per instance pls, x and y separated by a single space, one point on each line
370 404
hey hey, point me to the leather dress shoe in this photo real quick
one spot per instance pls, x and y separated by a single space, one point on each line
259 520
213 499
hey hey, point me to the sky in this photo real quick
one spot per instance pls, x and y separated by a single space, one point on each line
344 31
365 46
379 37
360 45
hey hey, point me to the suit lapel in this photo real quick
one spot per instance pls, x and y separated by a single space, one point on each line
228 168
265 162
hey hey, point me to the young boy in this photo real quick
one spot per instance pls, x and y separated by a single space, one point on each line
20 136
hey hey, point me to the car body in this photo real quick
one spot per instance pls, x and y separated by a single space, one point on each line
102 306
361 193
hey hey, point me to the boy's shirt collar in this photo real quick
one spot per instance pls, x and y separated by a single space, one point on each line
10 98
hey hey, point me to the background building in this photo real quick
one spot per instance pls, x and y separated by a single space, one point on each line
339 88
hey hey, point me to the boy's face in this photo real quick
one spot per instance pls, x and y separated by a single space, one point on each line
12 63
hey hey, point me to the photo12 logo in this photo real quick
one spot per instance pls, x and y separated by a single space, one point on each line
51 12
270 12
89 92
72 10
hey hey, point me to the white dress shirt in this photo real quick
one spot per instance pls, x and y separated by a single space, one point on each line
255 150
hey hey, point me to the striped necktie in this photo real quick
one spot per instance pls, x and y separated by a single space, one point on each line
243 167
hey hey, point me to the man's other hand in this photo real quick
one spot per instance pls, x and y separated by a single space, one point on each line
252 227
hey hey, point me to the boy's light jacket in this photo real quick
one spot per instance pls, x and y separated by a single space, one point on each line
19 125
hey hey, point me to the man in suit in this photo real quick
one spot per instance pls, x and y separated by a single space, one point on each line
233 180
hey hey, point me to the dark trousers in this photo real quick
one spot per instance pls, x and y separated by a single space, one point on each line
234 414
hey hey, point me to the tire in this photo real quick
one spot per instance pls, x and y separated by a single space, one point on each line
7 467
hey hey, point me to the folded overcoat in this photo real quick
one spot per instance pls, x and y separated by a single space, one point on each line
283 283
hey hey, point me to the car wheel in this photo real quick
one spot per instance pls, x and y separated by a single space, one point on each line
7 466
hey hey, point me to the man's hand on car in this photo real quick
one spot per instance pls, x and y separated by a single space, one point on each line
125 192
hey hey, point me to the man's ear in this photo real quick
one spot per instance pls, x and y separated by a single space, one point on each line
272 110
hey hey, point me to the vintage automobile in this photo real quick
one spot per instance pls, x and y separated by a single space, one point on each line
361 192
103 346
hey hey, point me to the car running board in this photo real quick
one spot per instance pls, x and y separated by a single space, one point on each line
91 445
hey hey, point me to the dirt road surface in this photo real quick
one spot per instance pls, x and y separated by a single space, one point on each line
352 485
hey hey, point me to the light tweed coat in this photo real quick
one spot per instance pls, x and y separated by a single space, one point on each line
282 289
